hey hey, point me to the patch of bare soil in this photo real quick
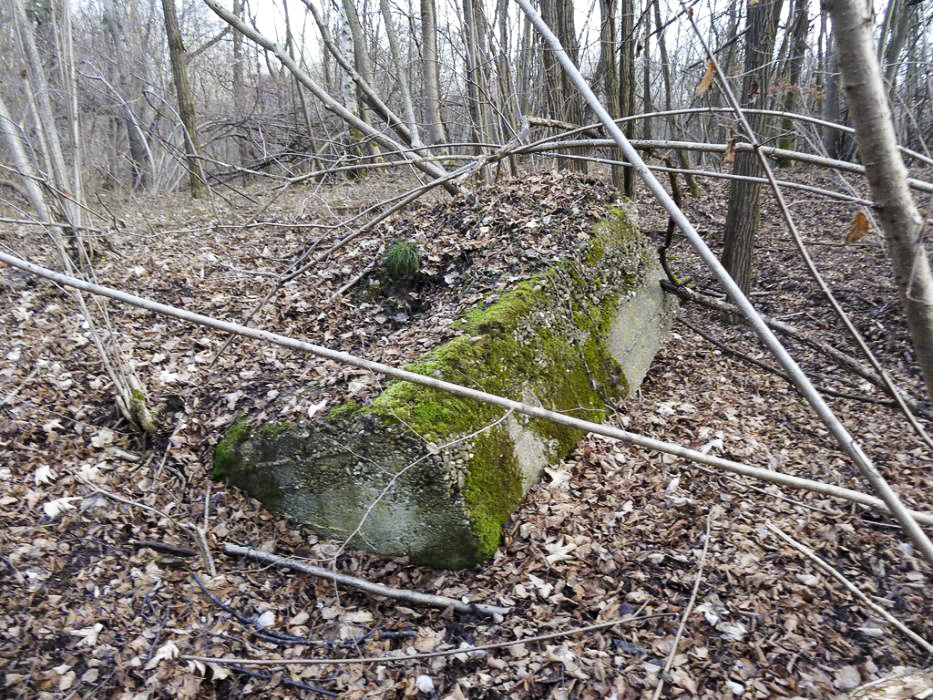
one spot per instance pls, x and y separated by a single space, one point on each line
87 609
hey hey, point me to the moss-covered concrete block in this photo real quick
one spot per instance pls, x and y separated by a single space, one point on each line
433 476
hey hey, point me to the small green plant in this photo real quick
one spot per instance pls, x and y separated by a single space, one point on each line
401 262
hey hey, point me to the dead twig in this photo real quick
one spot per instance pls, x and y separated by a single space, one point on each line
874 607
352 283
413 597
775 371
689 609
287 682
427 655
839 357
266 635
177 550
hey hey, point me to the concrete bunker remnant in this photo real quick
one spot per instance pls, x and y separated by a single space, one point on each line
425 474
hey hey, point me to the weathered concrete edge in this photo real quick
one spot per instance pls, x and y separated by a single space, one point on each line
523 347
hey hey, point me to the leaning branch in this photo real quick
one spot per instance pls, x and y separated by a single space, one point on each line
802 382
466 392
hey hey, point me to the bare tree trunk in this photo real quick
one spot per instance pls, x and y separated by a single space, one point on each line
39 89
10 135
477 88
509 113
327 100
886 174
140 156
682 156
627 84
401 71
798 50
129 393
831 111
432 81
609 66
646 75
564 102
299 90
239 102
526 63
744 213
189 120
363 66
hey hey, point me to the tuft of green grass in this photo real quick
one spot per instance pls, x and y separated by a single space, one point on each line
402 261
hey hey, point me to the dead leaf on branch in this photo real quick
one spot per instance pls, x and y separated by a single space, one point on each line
729 157
708 79
860 228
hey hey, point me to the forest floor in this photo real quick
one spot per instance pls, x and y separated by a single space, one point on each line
88 610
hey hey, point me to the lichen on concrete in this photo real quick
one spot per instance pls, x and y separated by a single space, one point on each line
435 476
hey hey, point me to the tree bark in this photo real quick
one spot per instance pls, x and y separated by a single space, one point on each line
743 215
432 81
401 71
186 110
627 85
363 66
682 156
798 49
609 66
831 137
563 100
477 88
140 157
886 174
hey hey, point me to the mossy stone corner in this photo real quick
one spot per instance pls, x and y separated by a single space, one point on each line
425 474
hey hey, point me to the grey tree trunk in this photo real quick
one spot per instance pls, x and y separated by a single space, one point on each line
363 66
682 156
609 66
186 110
563 100
886 174
798 50
743 215
477 87
831 110
239 100
627 84
401 71
140 158
432 81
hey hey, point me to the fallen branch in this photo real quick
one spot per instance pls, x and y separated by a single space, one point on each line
413 597
426 655
284 680
263 633
177 550
352 283
888 617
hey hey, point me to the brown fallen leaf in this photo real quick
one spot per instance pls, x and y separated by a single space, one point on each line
729 157
707 81
860 228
